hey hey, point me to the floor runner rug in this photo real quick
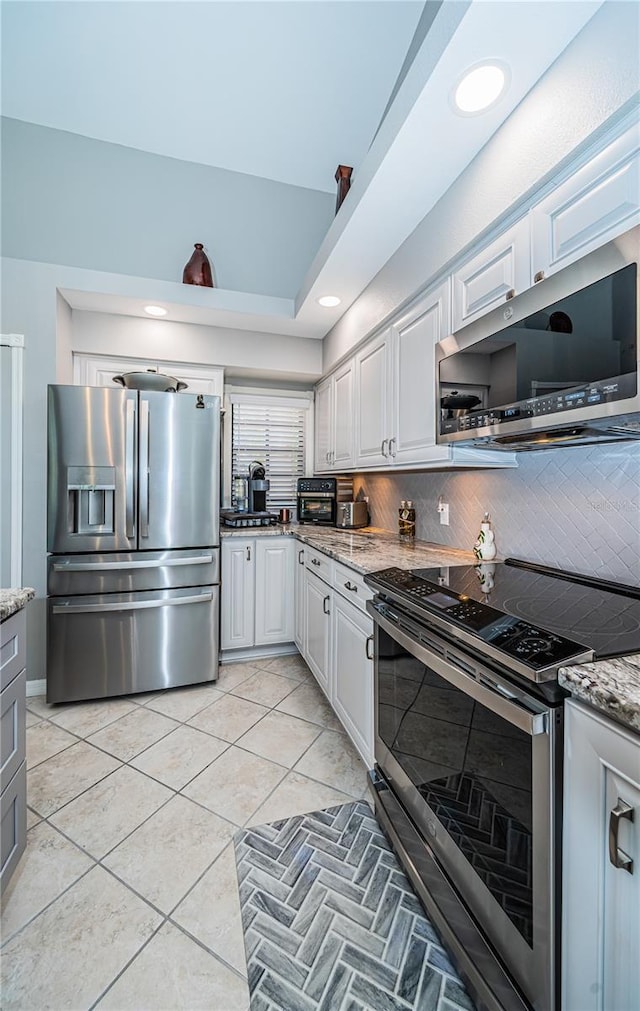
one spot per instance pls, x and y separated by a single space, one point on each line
331 922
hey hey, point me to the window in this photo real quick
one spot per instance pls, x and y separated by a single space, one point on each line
271 429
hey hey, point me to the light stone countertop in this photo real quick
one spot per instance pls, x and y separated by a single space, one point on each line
611 686
364 550
14 600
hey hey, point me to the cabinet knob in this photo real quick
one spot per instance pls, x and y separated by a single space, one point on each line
510 294
617 856
538 277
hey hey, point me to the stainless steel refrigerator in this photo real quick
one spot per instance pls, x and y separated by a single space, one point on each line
133 536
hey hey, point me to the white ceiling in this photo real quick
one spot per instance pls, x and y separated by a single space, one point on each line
283 90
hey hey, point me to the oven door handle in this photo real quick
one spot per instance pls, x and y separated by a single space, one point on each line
532 724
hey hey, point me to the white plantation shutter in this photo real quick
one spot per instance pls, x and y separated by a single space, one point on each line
272 430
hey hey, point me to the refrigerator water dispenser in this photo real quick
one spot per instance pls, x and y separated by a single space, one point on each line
91 494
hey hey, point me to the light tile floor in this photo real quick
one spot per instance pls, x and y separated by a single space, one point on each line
127 895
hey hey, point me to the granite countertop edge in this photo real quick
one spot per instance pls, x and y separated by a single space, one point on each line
364 550
610 686
14 599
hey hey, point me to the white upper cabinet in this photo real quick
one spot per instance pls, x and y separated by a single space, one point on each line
91 370
373 387
595 204
499 271
413 386
334 417
323 424
343 435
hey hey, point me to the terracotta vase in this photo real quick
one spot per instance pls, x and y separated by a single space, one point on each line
343 179
198 269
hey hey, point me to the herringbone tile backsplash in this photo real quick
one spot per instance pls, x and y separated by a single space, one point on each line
576 508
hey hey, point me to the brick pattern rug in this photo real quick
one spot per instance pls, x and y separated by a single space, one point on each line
331 922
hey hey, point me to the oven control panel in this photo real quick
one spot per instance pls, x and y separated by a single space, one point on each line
527 643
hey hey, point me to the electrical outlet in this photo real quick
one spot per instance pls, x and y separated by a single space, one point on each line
443 509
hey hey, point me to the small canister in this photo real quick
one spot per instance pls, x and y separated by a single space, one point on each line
284 516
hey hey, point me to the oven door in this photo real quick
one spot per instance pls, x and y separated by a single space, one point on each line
317 507
470 758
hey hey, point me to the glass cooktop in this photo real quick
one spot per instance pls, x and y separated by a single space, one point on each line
538 617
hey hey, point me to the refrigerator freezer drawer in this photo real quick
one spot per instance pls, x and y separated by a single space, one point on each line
130 571
117 644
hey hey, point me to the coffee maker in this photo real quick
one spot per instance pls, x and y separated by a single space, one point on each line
258 487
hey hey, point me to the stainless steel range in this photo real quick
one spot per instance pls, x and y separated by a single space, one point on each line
468 750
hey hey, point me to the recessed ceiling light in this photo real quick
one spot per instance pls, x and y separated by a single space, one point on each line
155 310
328 301
480 87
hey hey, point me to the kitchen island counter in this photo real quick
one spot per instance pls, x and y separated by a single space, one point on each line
611 686
13 600
364 550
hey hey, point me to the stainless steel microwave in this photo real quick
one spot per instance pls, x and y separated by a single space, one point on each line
556 365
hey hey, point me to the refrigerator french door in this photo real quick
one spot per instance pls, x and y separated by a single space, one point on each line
133 574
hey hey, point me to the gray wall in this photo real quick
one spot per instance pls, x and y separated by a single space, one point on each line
574 508
80 202
592 83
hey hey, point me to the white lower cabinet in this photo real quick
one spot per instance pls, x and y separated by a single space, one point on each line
317 639
300 613
352 673
337 641
257 591
601 864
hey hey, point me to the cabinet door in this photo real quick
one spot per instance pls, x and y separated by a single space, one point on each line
300 619
485 281
95 370
598 202
237 593
323 424
274 599
600 902
373 384
352 674
414 380
317 633
343 440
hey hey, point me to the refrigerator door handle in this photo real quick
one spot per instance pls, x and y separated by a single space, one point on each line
134 605
129 464
156 563
144 468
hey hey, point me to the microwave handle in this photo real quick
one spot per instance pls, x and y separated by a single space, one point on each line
532 724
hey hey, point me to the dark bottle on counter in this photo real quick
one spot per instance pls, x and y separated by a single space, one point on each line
407 521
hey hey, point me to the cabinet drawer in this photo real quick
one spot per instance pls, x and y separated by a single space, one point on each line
318 562
13 829
351 585
12 647
12 728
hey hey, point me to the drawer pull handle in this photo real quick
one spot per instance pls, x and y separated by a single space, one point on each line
350 586
248 553
510 294
383 452
324 604
368 643
314 561
301 557
538 277
617 856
